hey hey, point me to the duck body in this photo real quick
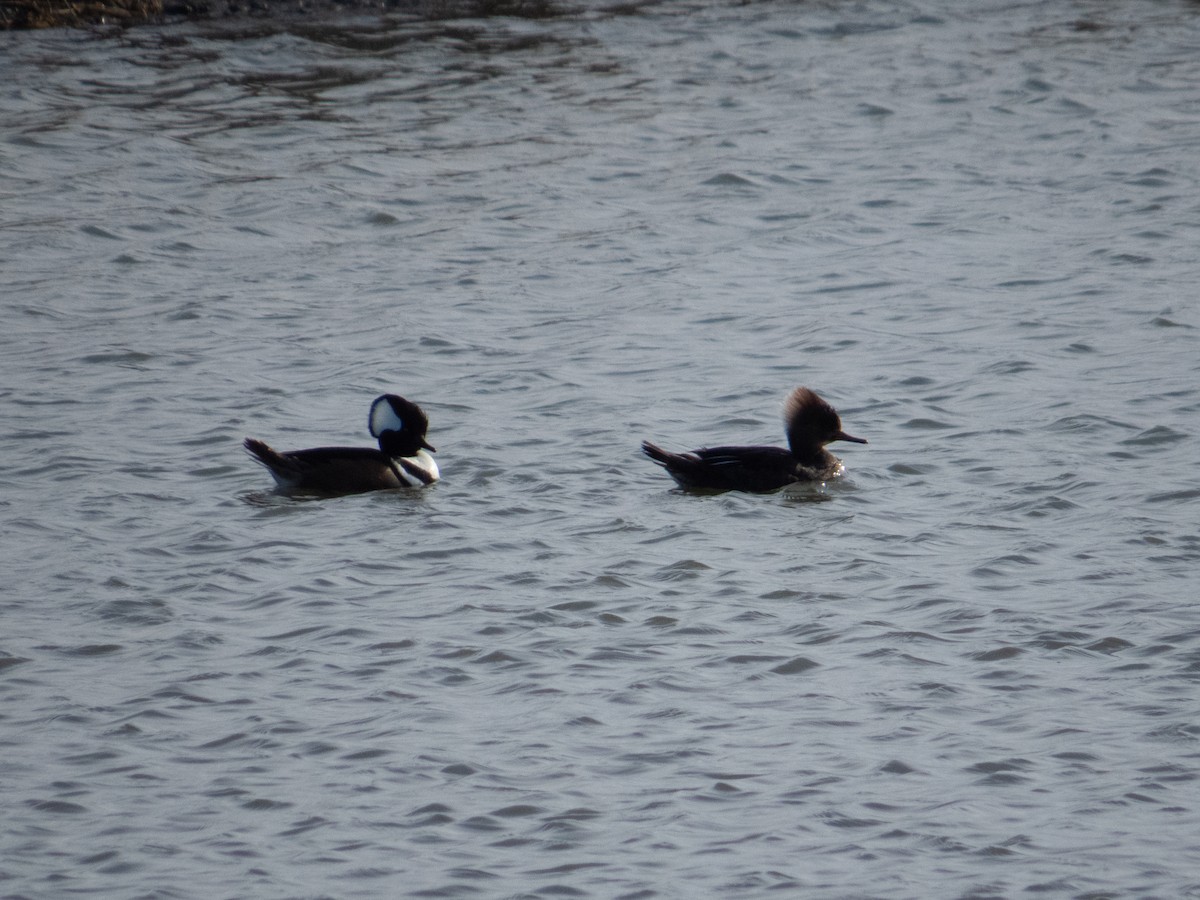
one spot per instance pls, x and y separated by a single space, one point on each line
753 469
811 423
343 470
402 459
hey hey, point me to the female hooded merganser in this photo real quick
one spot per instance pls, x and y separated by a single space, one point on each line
400 461
811 424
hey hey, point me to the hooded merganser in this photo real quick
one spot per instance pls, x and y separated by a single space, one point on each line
400 461
811 424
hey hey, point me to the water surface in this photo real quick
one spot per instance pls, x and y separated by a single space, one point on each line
967 669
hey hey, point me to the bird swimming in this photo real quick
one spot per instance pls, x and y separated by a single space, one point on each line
402 459
810 423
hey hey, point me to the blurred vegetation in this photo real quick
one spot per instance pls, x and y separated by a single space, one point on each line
65 13
80 13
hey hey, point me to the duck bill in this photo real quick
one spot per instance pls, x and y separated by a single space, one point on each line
842 436
432 449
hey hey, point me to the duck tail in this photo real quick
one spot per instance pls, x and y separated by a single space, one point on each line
658 454
262 452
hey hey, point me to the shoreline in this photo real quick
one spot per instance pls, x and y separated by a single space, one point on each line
37 14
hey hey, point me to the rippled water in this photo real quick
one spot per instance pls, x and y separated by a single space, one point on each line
969 669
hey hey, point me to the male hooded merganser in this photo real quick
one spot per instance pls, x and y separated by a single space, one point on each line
811 424
400 461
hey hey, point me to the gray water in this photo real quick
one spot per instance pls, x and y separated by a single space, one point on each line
969 668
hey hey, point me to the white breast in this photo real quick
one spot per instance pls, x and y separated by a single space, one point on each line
420 460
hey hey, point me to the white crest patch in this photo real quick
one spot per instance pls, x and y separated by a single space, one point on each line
384 418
